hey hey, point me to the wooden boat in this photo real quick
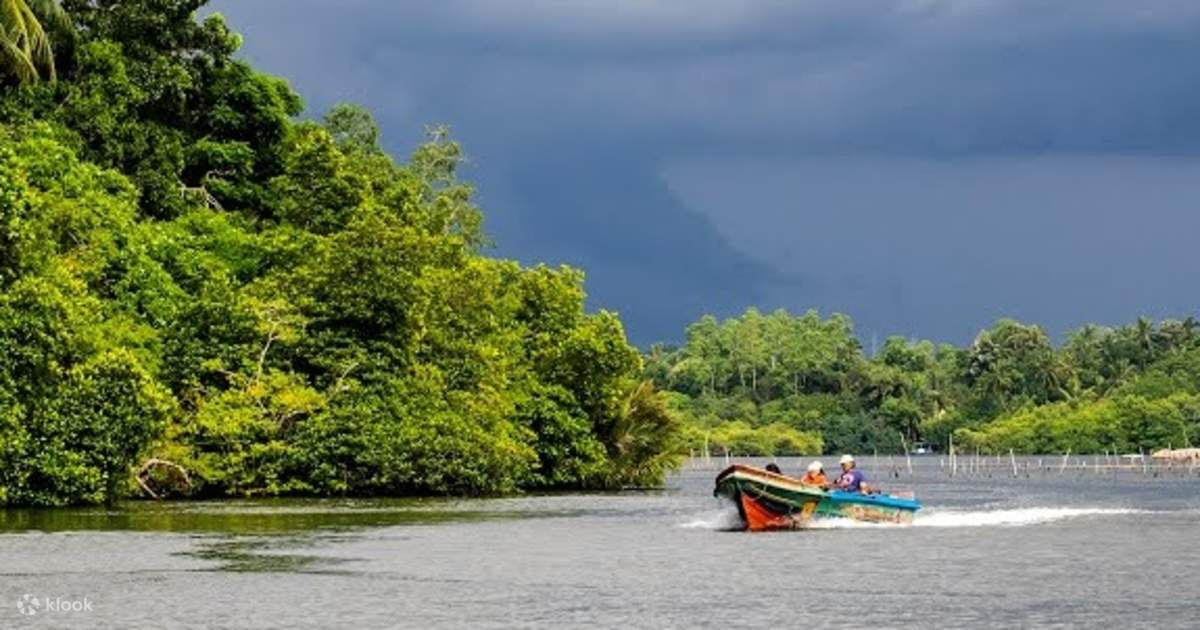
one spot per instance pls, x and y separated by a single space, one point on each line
767 501
1178 454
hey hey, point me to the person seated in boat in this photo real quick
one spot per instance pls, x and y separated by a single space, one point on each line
852 479
774 468
815 476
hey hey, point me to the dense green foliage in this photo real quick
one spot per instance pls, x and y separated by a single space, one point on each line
276 306
783 384
1157 408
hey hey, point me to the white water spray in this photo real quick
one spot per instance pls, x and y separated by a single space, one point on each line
1013 517
716 520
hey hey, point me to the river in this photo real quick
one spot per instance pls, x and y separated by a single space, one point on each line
1078 549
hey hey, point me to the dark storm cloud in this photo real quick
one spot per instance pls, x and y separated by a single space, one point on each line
669 147
1051 239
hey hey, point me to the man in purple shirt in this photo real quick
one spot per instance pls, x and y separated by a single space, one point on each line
852 478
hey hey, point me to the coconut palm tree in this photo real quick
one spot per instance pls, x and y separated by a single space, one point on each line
643 441
26 53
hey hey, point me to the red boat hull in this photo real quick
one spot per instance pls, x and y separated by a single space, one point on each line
760 518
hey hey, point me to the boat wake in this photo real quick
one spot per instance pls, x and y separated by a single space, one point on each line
1013 517
1017 517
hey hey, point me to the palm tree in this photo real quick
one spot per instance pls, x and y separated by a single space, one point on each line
643 441
26 53
1189 326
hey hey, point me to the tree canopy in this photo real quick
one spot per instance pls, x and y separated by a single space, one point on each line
741 382
190 273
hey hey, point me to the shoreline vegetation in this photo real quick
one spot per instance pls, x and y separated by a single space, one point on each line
780 384
204 293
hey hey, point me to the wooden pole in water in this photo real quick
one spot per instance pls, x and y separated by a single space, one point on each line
907 457
1013 458
953 458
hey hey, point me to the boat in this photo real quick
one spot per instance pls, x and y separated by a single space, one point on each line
770 501
1178 454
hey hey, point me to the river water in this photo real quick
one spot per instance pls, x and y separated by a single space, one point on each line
1078 549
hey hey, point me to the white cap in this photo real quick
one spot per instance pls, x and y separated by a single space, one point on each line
815 467
846 459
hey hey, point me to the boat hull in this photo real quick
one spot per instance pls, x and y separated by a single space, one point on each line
767 501
871 508
760 516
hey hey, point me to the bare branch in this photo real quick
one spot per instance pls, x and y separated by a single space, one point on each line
143 472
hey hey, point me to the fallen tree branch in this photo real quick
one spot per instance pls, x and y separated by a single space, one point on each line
156 462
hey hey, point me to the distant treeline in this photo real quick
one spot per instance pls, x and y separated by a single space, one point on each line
784 384
201 295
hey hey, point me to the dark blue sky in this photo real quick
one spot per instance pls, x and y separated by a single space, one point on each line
925 166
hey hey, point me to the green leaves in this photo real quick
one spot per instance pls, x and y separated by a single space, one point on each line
26 47
358 345
740 438
1013 363
353 129
318 190
643 443
79 407
108 410
1124 424
276 306
410 435
733 380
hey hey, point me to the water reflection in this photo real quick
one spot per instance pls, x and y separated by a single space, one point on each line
270 535
267 516
269 555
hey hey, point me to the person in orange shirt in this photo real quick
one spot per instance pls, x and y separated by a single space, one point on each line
815 476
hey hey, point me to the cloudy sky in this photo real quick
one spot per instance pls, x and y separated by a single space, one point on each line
925 166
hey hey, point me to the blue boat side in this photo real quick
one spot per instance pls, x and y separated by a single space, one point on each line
875 499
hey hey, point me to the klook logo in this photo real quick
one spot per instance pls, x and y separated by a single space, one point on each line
30 605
